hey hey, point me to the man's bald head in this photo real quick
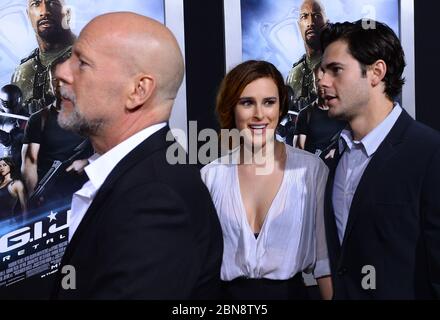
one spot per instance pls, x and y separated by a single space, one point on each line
123 76
144 46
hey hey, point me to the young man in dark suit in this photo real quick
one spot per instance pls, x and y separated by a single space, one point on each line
383 195
140 228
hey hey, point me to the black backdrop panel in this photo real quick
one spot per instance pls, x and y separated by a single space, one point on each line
205 58
427 52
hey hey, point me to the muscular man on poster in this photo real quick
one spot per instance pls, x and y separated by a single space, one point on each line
311 21
313 131
50 21
44 141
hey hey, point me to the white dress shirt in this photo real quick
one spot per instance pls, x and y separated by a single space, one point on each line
98 170
354 161
292 238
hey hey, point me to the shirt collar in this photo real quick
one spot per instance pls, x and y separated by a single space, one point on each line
375 137
101 165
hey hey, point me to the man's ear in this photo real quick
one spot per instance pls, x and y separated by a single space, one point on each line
141 92
378 71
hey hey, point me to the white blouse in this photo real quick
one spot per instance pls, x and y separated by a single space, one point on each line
292 238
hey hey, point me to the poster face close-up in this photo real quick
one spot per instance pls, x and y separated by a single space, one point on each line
271 29
287 33
35 188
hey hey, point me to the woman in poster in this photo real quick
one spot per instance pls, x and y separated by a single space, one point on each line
11 190
270 198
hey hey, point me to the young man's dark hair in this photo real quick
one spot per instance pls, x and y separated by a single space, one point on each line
369 41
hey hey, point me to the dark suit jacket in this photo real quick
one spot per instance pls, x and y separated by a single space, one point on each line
151 232
394 220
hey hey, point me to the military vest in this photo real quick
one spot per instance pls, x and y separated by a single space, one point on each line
33 77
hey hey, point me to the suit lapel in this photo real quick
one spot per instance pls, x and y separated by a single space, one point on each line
384 152
330 221
155 142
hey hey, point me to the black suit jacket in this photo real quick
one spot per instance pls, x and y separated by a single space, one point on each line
394 220
151 232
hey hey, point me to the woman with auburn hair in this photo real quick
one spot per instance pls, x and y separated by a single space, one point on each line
269 198
11 190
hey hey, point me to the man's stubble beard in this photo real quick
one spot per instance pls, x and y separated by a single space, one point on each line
77 123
